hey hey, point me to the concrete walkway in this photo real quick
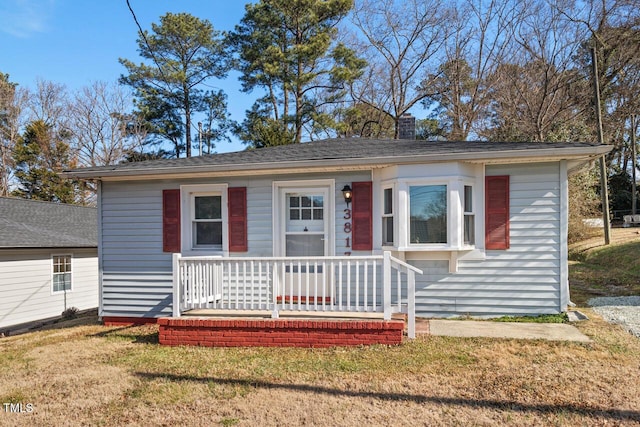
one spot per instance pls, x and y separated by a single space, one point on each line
472 328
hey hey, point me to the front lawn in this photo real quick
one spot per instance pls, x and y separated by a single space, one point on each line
596 270
96 375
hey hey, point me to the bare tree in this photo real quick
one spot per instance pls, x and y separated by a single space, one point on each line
612 27
401 41
538 95
480 39
48 103
102 131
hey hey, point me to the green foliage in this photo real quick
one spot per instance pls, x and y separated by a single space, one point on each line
620 190
364 121
429 129
39 155
612 270
7 89
70 313
543 318
7 127
286 47
184 52
260 130
452 98
584 203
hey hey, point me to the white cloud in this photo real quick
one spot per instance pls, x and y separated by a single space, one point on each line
23 18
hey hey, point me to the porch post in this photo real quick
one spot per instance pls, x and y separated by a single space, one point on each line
386 285
411 303
176 285
275 291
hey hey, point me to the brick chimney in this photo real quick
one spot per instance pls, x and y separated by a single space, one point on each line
407 126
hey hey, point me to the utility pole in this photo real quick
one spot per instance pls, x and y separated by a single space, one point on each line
200 137
603 166
634 165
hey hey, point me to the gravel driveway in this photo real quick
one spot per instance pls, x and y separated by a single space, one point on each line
624 311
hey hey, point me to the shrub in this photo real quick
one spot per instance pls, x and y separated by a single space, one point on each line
70 313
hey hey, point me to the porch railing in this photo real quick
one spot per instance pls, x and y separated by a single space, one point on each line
382 284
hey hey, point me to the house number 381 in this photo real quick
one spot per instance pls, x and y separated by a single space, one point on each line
347 230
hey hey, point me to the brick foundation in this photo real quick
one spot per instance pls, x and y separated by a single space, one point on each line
278 332
127 321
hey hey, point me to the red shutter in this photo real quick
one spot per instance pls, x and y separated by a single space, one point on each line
362 216
171 220
497 212
238 219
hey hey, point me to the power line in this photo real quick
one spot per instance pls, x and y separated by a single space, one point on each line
146 42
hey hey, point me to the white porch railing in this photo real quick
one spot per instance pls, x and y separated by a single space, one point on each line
381 284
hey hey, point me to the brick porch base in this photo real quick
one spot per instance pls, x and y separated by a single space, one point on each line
278 332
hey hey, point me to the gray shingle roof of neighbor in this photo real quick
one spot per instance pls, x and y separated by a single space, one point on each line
35 224
343 151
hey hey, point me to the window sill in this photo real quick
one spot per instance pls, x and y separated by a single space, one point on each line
427 248
205 252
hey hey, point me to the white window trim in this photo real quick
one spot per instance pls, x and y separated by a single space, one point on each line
394 214
473 212
279 210
405 213
52 273
187 193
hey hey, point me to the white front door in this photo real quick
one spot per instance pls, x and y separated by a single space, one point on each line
304 232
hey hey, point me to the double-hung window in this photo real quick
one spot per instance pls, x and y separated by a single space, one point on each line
61 273
387 218
469 217
206 221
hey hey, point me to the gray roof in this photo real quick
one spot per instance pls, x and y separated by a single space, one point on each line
345 152
34 224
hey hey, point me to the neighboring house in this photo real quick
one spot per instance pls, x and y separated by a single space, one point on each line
48 260
485 222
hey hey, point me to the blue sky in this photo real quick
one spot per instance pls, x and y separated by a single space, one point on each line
76 42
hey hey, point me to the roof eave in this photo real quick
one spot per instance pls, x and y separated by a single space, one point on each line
293 166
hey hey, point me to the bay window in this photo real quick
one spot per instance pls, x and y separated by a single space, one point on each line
428 214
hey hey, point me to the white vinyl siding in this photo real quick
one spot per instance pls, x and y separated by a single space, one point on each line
26 285
525 279
136 273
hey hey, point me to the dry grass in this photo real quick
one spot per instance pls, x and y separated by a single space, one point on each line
599 270
95 375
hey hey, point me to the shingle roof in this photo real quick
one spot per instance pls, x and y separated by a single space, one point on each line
35 224
340 151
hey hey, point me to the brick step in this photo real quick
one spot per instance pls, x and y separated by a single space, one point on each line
278 332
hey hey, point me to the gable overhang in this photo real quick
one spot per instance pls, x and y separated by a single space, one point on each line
576 157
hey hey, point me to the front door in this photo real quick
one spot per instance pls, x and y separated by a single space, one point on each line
304 229
305 224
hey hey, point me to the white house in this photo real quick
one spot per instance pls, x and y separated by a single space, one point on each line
48 261
484 223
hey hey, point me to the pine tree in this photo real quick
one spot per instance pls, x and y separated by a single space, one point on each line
39 156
